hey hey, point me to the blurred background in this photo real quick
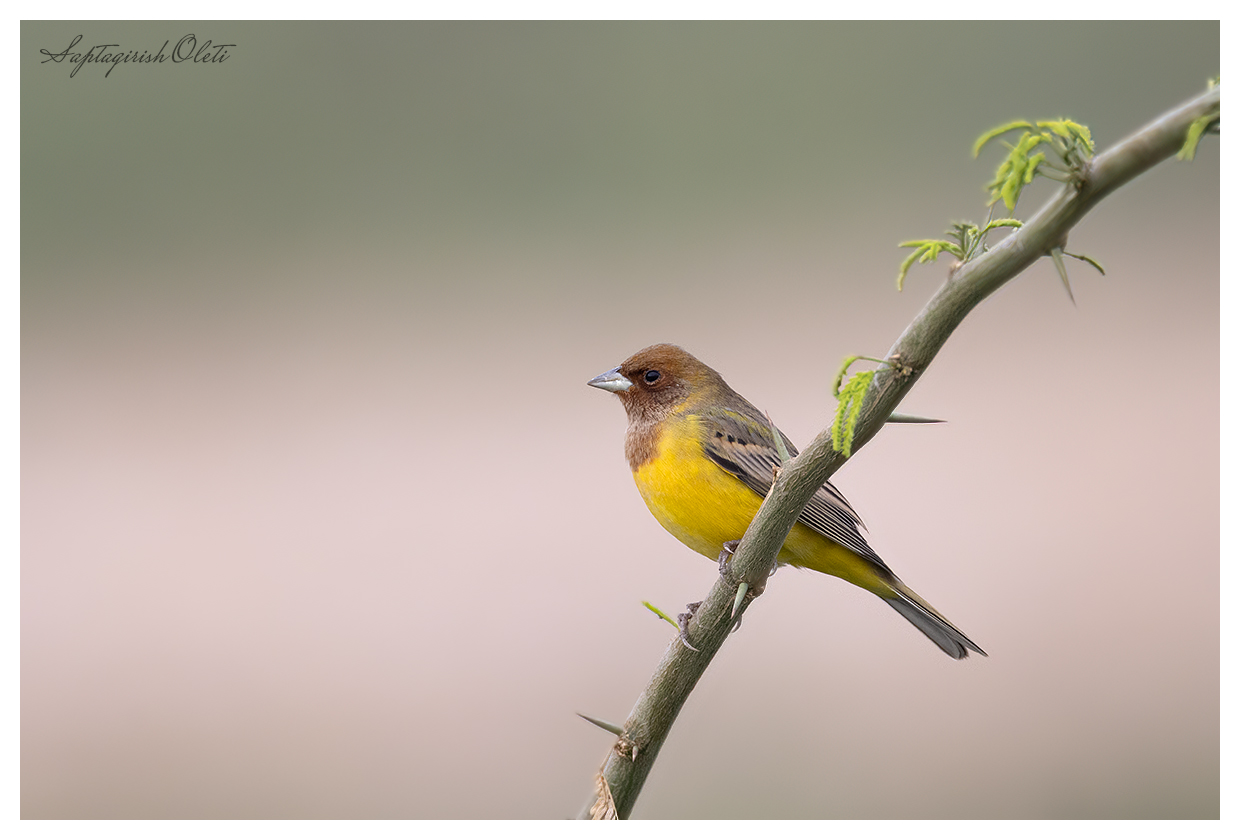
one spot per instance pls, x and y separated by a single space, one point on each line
319 519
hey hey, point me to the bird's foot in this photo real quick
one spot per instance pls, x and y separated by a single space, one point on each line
725 557
683 620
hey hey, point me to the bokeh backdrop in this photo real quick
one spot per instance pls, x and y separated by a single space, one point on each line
320 520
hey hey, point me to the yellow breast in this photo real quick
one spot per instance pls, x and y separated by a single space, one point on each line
692 497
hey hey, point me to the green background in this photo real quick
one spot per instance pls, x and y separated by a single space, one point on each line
320 520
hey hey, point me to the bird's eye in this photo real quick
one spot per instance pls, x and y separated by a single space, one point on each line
652 376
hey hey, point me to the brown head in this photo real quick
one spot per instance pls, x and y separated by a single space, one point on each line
651 384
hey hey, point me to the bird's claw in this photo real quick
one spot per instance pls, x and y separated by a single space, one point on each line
725 557
683 620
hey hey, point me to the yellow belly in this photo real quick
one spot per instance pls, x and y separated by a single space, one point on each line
704 507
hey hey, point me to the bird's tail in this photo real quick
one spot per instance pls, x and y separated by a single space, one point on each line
928 620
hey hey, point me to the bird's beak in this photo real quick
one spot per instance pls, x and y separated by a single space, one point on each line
613 380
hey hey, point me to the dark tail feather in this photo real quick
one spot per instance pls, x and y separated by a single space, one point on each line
927 619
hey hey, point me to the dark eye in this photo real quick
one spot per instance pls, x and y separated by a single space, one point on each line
652 376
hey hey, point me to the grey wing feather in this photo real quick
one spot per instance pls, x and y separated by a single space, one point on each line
730 442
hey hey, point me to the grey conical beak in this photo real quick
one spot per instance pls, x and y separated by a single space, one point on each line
613 380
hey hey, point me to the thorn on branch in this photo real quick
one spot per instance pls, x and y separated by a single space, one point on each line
1057 257
602 724
897 417
741 592
780 447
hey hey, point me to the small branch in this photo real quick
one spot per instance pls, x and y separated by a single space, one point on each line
627 766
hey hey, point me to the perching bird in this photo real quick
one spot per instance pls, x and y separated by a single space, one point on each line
704 458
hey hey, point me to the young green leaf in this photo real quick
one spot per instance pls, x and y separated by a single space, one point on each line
848 411
995 132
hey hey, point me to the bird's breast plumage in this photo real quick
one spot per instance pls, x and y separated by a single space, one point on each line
698 502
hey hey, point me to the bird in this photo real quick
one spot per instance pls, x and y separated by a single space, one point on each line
704 458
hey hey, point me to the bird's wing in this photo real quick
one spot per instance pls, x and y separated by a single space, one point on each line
744 447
